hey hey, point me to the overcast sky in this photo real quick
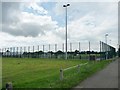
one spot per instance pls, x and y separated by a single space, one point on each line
37 23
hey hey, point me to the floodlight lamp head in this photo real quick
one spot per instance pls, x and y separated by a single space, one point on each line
68 4
64 5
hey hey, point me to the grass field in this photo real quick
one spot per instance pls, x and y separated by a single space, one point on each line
45 73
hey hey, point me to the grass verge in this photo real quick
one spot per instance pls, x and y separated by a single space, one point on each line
44 73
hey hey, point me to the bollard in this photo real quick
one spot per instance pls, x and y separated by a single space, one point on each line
78 68
9 86
61 74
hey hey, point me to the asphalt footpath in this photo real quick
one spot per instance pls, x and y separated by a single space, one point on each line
106 78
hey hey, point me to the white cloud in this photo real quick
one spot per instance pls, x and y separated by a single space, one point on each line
92 26
28 24
86 22
34 6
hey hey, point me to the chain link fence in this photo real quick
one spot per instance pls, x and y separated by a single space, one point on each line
77 50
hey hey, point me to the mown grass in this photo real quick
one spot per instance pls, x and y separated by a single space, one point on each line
44 73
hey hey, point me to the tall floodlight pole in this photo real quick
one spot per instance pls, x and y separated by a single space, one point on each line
106 44
66 29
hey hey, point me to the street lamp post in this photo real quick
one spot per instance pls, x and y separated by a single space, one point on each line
66 30
106 44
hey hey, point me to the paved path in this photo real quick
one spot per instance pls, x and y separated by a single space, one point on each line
106 78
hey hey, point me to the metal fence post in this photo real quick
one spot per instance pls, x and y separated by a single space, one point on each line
24 52
5 52
55 50
55 47
20 52
49 52
63 49
0 53
28 51
43 52
38 51
100 50
49 47
70 56
33 49
17 52
8 52
12 51
89 50
103 50
33 52
79 51
70 47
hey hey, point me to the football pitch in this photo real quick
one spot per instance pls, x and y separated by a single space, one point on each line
45 73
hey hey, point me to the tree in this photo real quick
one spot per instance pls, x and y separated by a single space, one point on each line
59 52
76 52
7 51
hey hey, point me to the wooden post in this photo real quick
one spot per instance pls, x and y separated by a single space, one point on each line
78 68
9 86
61 74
